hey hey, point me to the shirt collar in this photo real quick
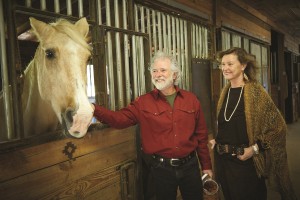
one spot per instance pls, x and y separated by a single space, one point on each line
156 93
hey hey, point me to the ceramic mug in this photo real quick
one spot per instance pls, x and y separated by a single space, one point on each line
210 186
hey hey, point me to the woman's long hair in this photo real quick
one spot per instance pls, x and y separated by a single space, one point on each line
244 58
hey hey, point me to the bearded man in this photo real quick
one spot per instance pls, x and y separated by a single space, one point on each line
173 131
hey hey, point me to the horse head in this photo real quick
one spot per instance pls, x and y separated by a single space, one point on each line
55 80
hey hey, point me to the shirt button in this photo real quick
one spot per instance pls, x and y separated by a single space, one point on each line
177 148
171 112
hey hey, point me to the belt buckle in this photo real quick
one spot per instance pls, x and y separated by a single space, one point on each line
220 150
171 162
240 151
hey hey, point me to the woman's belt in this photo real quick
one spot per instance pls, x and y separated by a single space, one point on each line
174 162
230 149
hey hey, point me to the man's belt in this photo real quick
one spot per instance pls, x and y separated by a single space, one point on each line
230 149
174 162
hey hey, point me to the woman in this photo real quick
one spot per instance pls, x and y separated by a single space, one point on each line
250 145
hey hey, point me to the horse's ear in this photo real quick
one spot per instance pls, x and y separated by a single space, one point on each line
40 28
83 26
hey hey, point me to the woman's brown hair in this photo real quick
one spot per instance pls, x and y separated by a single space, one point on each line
244 58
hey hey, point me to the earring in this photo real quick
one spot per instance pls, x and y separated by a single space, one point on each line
246 77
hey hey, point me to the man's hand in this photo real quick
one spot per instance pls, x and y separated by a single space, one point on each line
208 171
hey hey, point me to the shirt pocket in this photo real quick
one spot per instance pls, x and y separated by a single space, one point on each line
187 117
188 112
156 120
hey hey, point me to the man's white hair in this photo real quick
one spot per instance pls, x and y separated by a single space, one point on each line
174 64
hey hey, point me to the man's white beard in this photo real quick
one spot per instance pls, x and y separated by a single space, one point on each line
164 84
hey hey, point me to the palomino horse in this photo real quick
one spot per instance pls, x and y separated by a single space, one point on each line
55 80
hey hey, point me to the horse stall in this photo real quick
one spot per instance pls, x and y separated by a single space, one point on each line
40 64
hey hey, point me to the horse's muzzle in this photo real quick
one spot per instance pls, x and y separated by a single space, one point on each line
67 120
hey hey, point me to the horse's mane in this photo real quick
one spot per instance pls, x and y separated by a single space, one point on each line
66 27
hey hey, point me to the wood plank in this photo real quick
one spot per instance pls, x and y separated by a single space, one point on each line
291 43
250 10
104 184
112 192
19 162
239 23
205 7
43 181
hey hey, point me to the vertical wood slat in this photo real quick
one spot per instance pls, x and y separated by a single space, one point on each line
118 59
169 34
56 6
43 5
7 95
149 29
141 55
134 57
205 42
178 50
142 66
165 36
110 60
197 41
200 42
182 62
134 67
173 36
136 20
154 35
28 3
159 31
126 56
99 12
186 55
80 9
69 7
142 29
193 38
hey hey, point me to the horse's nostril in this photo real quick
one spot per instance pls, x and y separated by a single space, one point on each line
69 114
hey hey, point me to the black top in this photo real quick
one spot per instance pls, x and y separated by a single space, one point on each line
234 131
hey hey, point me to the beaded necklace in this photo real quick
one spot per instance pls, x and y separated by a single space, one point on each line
227 120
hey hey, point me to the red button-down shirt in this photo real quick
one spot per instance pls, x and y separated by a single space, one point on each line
166 131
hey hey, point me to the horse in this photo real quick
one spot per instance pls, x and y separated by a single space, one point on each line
55 80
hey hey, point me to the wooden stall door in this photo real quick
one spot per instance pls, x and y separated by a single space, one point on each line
201 86
102 165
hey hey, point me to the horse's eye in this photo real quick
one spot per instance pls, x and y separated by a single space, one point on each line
50 54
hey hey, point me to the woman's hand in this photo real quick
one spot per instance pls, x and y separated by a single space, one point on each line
248 153
212 143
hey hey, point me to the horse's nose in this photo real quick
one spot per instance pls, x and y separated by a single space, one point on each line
69 113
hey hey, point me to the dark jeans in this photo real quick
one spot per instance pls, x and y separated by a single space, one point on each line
187 177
